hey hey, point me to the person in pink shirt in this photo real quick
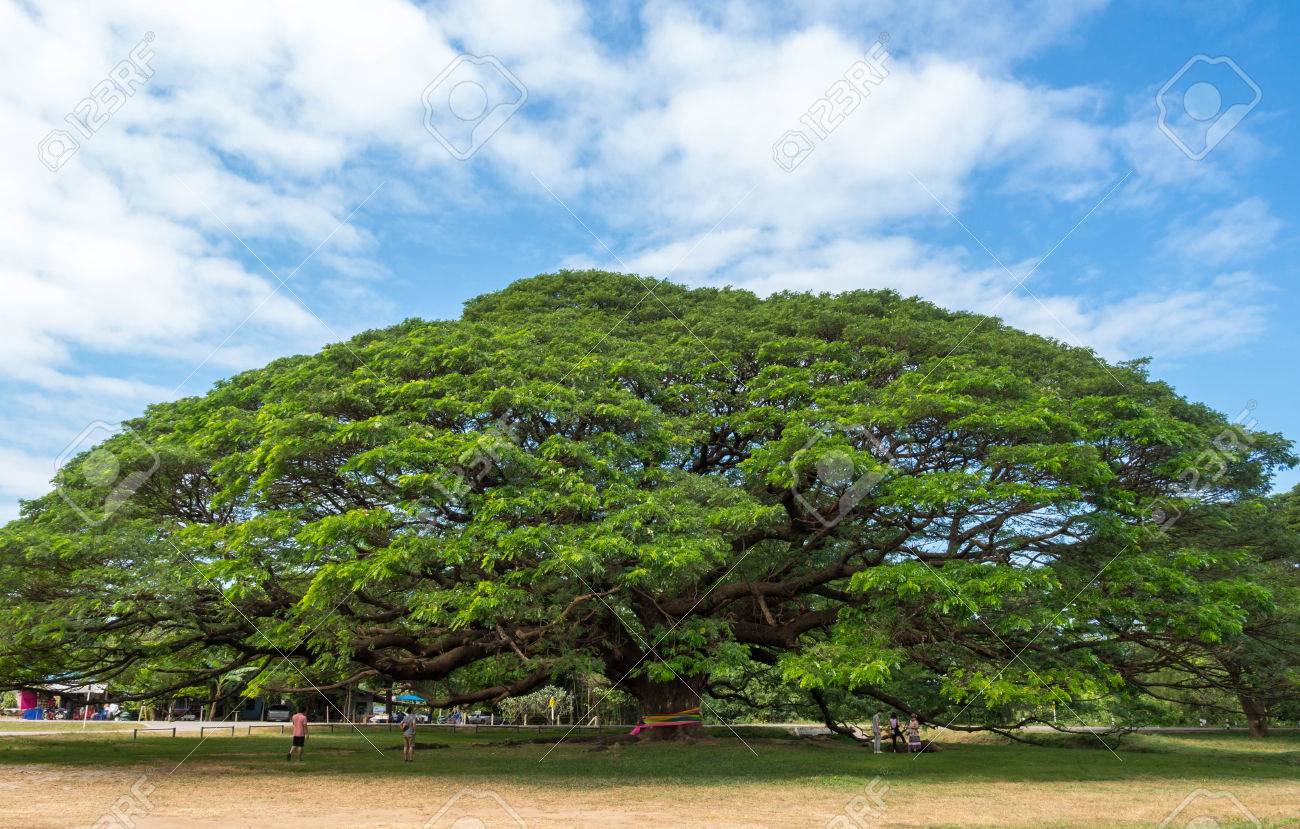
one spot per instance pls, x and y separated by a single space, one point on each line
299 720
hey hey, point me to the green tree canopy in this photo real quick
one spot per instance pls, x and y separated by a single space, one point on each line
1243 555
673 488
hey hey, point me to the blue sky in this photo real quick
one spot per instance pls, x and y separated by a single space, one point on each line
270 178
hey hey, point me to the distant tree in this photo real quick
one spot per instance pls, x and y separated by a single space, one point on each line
536 704
674 488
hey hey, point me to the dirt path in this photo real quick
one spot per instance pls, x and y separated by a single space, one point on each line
199 797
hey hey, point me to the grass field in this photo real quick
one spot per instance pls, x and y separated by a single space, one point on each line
498 780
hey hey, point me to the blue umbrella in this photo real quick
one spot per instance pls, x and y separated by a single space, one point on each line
410 698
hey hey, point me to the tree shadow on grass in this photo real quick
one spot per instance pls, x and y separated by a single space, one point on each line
715 761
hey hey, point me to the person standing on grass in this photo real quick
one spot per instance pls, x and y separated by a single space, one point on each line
914 734
875 731
408 737
894 731
299 720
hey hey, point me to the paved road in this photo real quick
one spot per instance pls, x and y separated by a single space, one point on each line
57 727
95 726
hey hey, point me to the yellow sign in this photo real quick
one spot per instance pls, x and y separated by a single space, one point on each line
552 702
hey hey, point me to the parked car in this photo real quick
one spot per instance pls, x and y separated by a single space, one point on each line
126 716
379 718
478 718
279 713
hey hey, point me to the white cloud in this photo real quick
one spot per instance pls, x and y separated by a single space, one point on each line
22 473
125 250
1240 232
121 272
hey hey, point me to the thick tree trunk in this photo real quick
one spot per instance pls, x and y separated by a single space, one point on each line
667 698
1256 715
627 659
